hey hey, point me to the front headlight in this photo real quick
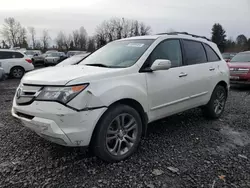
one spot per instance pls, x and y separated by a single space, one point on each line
60 94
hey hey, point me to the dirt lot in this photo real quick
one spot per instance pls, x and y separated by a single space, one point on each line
184 150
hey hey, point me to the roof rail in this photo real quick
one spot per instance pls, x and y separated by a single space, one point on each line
184 33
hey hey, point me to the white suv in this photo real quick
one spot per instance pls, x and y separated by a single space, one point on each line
15 63
107 100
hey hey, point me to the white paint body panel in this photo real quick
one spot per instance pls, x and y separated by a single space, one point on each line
8 64
160 93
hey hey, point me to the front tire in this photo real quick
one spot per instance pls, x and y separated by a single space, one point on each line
17 72
118 134
216 105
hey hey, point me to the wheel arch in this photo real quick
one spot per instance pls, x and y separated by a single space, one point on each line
138 107
132 103
223 84
17 66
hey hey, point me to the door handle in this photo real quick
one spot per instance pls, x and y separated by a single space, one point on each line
211 69
182 74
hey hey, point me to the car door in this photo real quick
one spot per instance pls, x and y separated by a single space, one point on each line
215 66
168 90
199 72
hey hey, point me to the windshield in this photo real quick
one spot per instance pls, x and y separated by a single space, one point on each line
48 52
226 56
119 54
71 61
241 57
53 55
30 52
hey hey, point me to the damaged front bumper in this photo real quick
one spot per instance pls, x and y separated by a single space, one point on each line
58 123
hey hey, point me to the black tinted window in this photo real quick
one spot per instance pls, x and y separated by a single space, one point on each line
211 55
17 55
170 50
5 55
194 52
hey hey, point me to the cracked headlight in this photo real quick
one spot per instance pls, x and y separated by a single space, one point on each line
60 94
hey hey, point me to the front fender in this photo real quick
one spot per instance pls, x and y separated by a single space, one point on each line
106 92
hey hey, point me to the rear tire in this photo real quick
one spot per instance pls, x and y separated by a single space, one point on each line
216 104
17 72
118 134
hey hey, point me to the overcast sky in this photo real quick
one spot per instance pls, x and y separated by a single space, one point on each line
194 16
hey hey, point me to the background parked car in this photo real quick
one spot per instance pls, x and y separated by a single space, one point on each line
228 56
54 58
30 53
15 63
240 68
71 53
43 56
35 56
73 60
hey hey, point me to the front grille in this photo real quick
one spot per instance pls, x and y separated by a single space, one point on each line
26 94
238 71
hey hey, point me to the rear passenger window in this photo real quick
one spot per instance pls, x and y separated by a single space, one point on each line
194 52
17 55
211 55
170 50
5 55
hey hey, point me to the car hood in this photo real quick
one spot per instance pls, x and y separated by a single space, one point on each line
64 75
239 65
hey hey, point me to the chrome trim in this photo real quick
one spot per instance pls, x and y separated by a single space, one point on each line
179 100
22 89
236 71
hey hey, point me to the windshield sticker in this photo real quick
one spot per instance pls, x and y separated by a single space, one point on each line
137 45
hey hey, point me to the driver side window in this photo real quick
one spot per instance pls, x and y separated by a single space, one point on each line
168 49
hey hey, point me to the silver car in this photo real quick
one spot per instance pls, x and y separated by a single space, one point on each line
35 56
54 58
73 60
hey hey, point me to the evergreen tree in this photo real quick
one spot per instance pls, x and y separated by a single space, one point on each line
219 36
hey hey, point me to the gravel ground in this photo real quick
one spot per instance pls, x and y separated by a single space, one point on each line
184 150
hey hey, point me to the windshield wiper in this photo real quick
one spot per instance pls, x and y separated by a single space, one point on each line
97 65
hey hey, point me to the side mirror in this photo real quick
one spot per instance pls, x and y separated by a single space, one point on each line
161 64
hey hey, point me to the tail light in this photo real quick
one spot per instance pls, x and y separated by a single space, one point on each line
28 60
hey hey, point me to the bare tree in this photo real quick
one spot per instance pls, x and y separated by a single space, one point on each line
68 42
45 39
91 45
4 44
82 38
117 28
100 36
76 37
38 45
60 40
22 38
144 30
11 31
32 32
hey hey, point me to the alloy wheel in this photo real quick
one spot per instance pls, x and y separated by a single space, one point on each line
17 73
121 134
219 102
